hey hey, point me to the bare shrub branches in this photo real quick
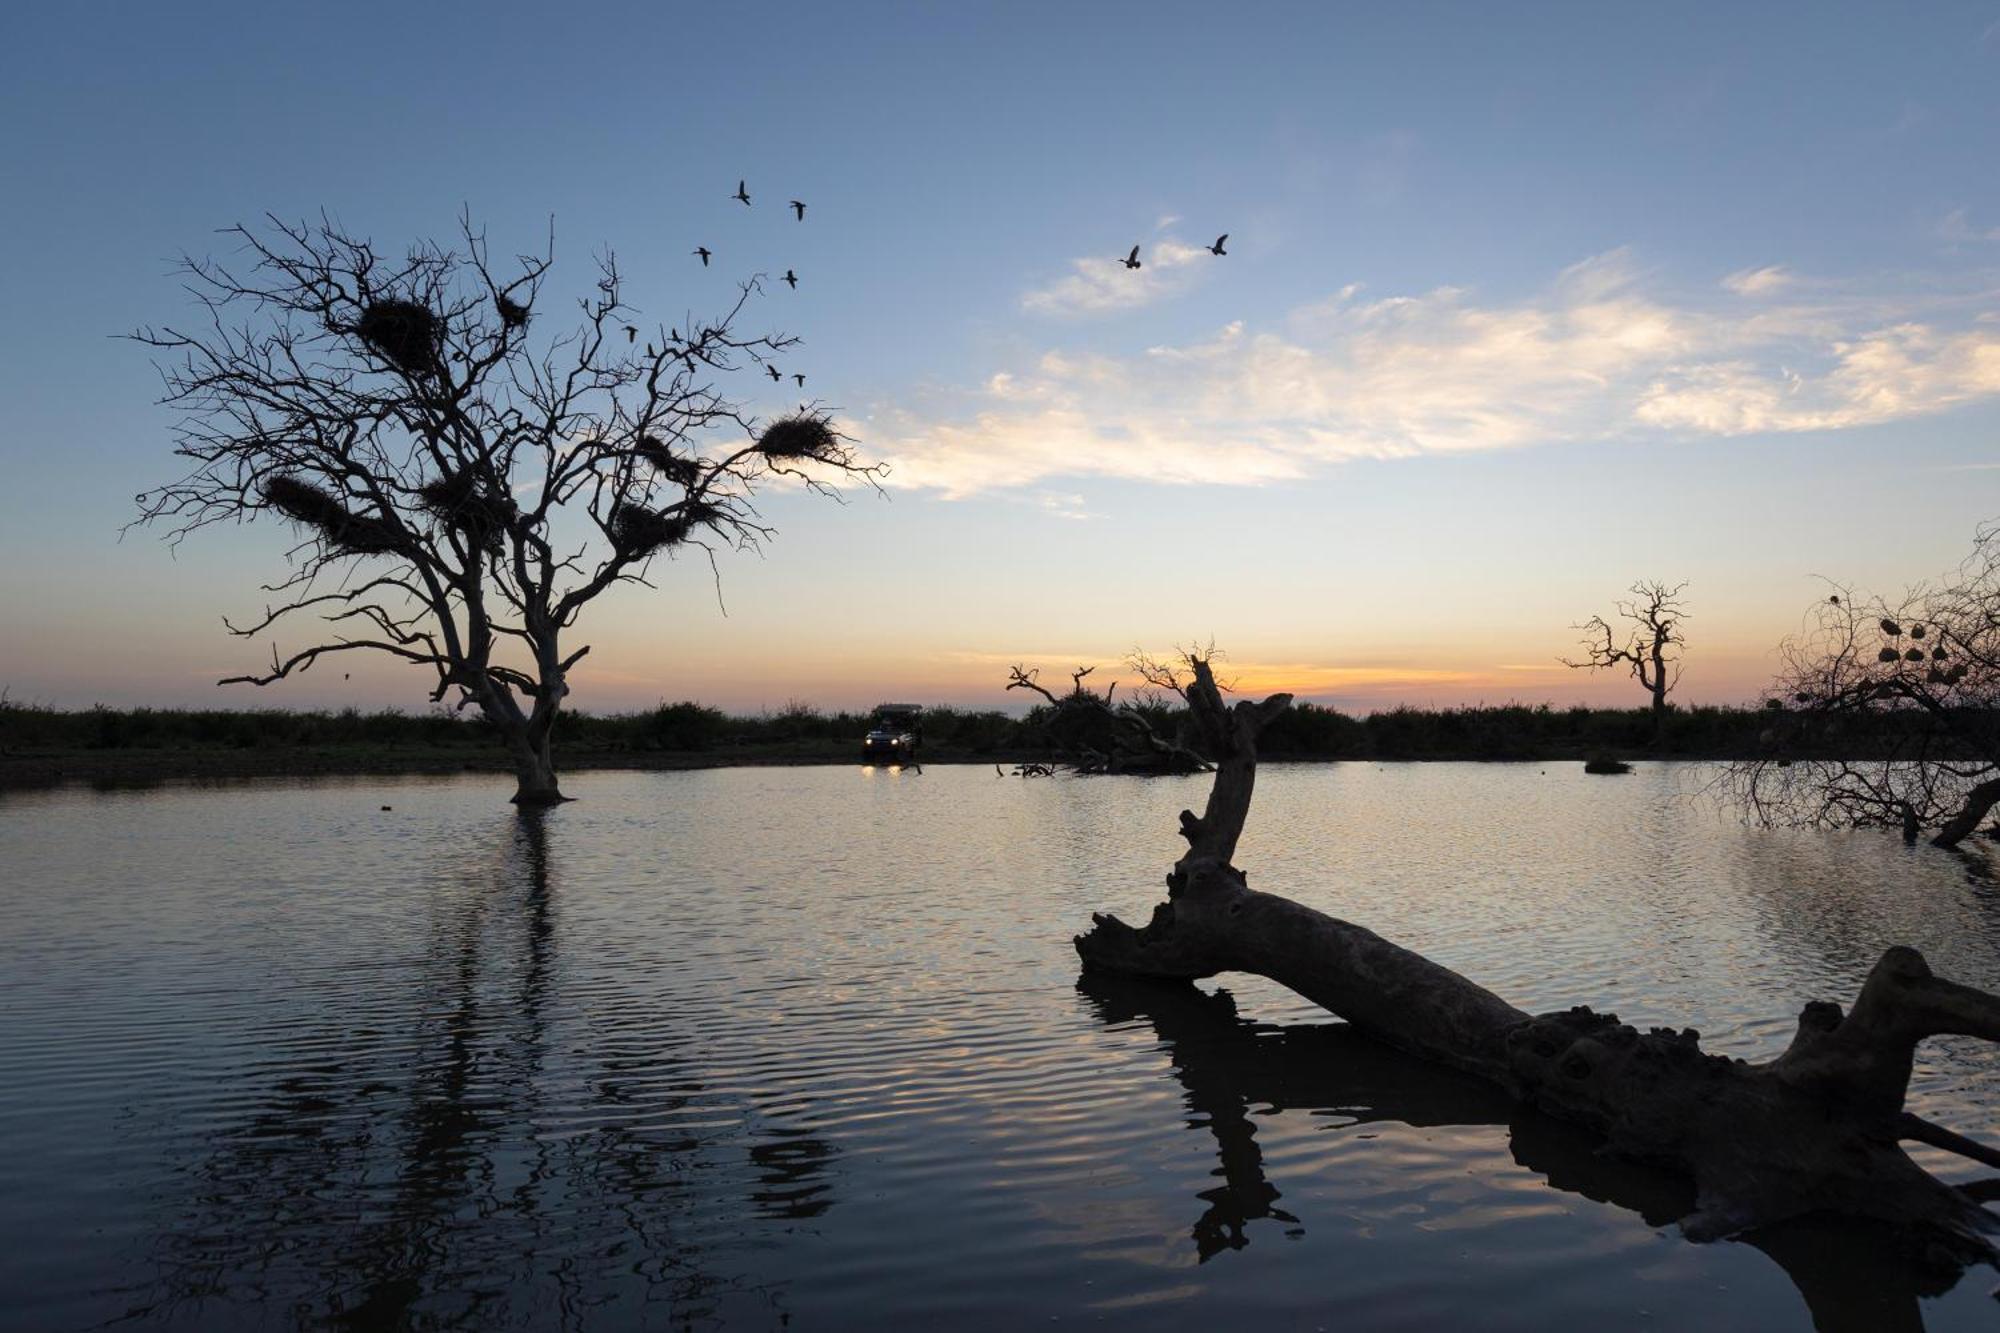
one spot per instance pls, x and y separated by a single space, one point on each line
1913 683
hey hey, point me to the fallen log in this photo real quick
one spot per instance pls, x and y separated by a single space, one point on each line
1818 1130
1235 1072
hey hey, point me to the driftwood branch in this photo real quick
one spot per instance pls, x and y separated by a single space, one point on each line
1817 1130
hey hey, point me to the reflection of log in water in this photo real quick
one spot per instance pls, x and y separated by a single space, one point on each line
1817 1130
1850 1281
431 1155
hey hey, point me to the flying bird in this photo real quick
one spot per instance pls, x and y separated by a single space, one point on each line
1132 260
801 379
772 371
704 252
742 193
798 206
1217 249
791 280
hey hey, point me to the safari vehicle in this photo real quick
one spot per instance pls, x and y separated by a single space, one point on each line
895 731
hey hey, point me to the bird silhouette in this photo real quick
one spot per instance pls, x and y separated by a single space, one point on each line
650 351
1132 260
799 208
704 252
791 280
801 379
742 193
631 333
1217 249
772 371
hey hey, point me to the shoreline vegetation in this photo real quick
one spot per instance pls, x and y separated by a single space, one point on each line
41 746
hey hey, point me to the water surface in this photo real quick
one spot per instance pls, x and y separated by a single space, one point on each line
808 1048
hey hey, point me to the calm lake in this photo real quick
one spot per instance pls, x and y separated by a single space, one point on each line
809 1048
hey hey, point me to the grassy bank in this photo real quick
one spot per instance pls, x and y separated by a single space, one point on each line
41 745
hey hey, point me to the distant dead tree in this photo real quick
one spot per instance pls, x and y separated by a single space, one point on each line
463 488
1094 735
1647 642
1887 714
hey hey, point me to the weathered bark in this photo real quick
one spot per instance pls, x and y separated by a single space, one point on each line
1816 1130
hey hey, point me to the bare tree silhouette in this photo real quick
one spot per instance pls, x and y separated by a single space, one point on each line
1650 646
1914 684
1095 735
464 489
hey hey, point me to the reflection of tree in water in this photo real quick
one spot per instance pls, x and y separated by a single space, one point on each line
431 1159
1850 1278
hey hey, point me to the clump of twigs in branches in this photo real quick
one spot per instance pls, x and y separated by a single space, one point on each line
638 531
681 470
404 332
462 501
325 516
513 314
802 436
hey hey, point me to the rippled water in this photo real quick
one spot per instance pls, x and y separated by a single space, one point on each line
808 1047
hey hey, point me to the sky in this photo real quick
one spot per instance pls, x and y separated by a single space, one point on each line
1521 304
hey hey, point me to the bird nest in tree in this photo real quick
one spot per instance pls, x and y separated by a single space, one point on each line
405 333
680 470
801 436
463 501
640 531
318 509
512 313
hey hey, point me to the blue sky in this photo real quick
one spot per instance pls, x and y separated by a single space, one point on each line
1521 305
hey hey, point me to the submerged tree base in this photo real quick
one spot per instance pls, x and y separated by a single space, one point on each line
1817 1130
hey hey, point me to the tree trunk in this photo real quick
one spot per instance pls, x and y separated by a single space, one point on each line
536 777
1816 1130
1978 802
528 740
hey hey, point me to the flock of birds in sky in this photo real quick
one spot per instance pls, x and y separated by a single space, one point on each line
1133 261
791 278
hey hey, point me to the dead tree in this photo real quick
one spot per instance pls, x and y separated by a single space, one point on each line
1095 735
463 487
1887 714
1649 647
1817 1130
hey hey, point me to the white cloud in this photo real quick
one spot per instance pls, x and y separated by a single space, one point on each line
1102 285
1594 357
1759 281
1885 375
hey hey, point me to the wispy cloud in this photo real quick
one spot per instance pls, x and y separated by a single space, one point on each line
1759 281
1595 356
1884 375
1101 285
1957 228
